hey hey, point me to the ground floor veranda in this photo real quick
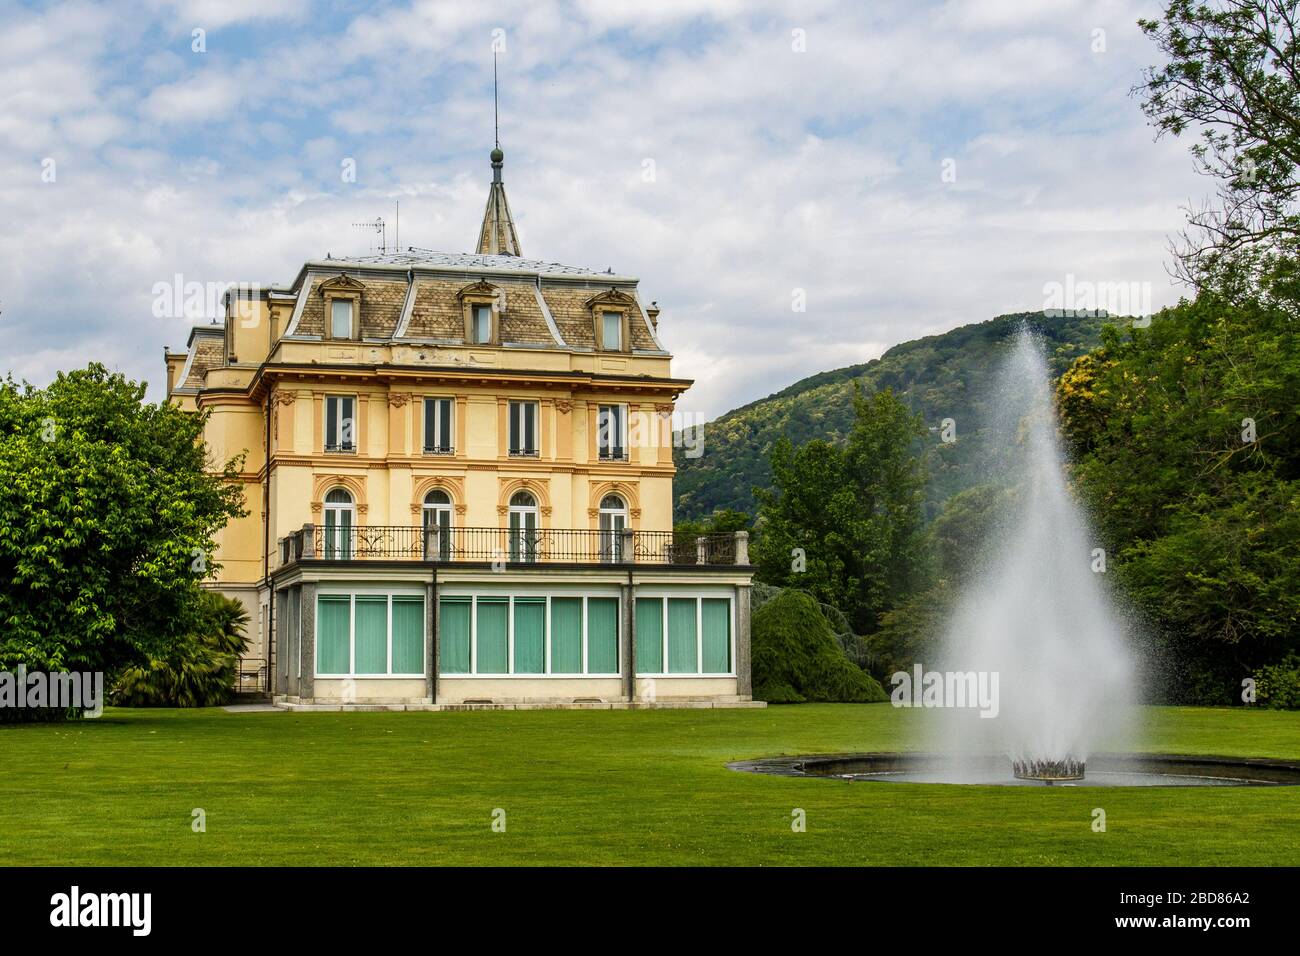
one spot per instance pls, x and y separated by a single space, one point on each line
366 634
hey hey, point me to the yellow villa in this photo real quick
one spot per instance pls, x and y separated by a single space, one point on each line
458 478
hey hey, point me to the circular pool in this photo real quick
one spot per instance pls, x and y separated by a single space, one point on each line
1102 770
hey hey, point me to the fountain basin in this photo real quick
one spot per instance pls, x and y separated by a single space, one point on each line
1103 770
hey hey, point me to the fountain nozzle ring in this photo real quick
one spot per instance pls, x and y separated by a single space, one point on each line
1048 771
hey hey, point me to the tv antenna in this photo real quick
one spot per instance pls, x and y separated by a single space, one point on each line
381 230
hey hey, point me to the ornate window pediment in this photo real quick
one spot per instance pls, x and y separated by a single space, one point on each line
482 305
342 296
609 316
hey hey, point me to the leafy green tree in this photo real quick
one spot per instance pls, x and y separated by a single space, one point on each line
1187 444
107 521
846 524
1231 76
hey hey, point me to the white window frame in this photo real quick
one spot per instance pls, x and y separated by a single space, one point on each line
473 595
337 438
451 424
474 315
351 593
603 433
338 507
663 594
605 318
352 317
516 410
427 509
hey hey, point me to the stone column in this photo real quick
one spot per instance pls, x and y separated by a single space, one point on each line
431 642
307 645
628 650
744 676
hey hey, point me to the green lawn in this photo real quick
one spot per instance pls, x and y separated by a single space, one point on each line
618 787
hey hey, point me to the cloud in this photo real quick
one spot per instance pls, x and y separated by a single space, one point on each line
773 169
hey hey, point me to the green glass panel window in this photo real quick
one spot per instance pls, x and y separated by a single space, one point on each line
333 626
530 635
493 656
602 635
408 635
372 634
566 635
650 636
681 636
453 635
715 637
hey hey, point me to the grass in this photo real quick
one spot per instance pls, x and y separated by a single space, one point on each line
638 787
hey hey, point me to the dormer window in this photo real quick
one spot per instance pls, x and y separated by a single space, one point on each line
340 318
609 314
611 337
342 296
482 324
482 304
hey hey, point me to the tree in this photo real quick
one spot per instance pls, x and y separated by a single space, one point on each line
846 524
1187 444
1232 75
107 521
199 669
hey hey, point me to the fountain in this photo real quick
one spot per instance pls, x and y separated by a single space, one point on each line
1036 611
1035 614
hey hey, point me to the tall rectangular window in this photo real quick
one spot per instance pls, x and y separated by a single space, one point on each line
530 635
650 635
682 656
437 426
340 423
523 428
611 432
340 319
482 324
454 635
566 635
602 635
333 627
371 625
715 635
492 636
611 331
408 634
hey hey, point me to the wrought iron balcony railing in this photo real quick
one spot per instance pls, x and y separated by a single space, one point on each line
513 546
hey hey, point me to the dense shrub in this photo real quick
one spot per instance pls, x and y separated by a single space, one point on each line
796 656
199 669
1278 685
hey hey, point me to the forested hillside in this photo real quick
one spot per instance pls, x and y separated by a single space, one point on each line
940 376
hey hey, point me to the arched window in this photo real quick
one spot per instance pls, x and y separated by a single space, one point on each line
340 524
613 522
523 527
437 526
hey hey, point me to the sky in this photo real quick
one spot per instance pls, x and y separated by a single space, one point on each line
799 185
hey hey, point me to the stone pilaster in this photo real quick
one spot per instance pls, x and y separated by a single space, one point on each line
307 644
744 676
627 653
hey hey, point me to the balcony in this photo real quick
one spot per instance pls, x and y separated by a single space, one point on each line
513 547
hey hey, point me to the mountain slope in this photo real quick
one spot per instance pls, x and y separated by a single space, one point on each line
940 376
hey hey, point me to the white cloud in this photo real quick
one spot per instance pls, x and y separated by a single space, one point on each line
774 169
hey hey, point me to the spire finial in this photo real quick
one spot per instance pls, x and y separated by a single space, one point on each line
497 236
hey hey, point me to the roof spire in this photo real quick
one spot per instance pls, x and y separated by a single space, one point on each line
497 236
